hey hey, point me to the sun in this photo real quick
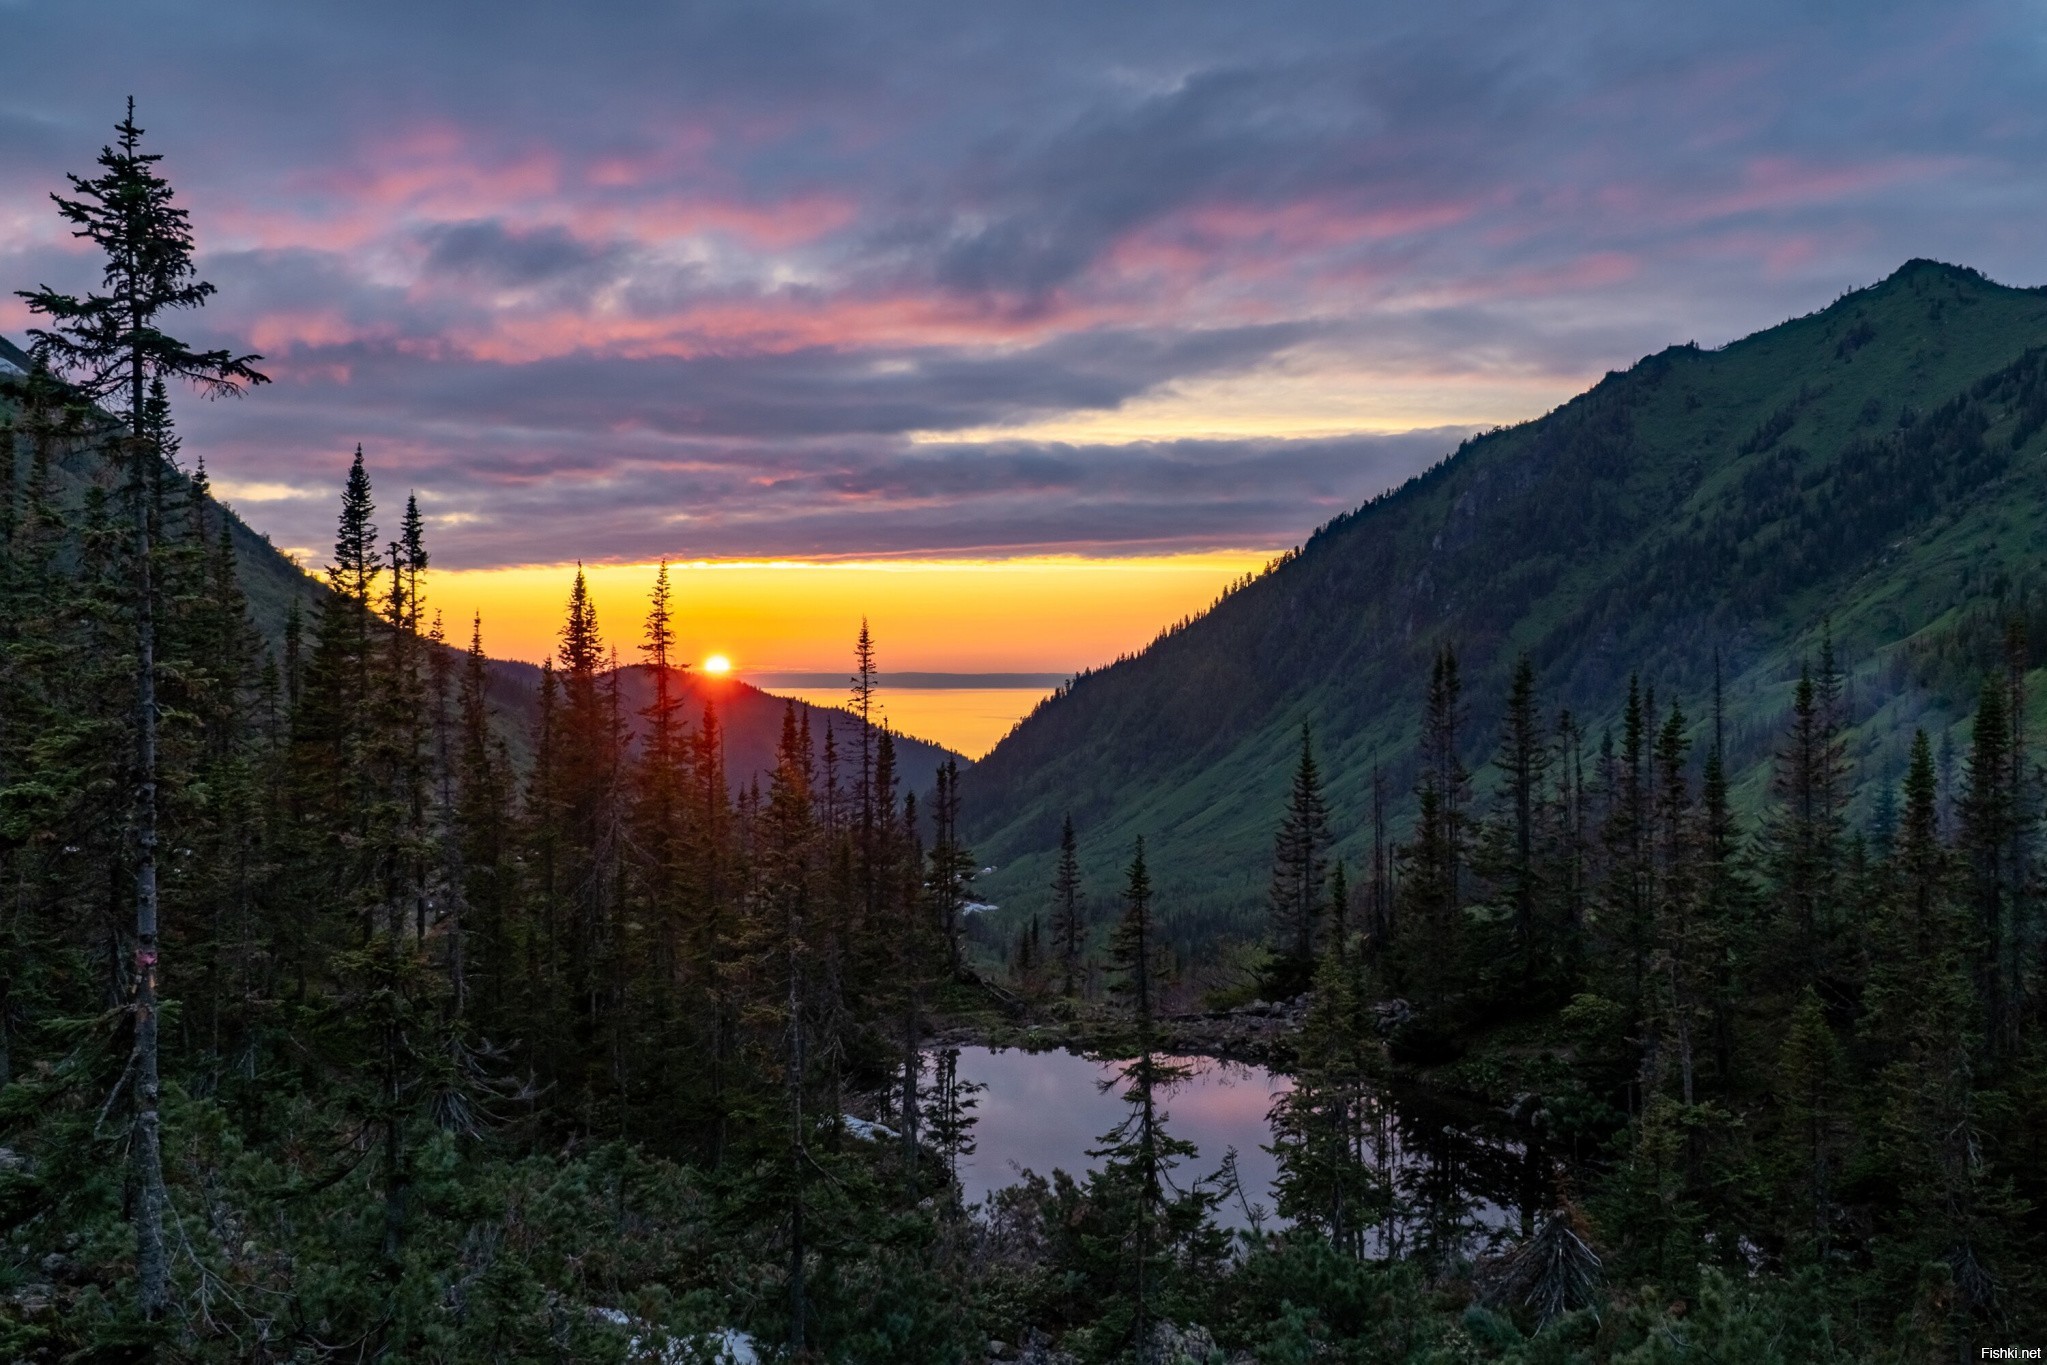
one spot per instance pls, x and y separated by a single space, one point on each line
717 665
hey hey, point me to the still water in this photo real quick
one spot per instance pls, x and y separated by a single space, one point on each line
1458 1179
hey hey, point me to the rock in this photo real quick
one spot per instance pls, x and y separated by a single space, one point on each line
1037 1350
1172 1344
868 1129
1529 1111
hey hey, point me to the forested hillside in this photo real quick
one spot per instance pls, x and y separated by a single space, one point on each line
750 720
385 943
274 585
332 1028
1877 469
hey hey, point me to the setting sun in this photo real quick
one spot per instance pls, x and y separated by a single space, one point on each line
718 665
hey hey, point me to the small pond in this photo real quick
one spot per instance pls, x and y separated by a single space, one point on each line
1460 1178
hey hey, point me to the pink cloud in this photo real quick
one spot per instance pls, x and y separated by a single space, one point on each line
766 325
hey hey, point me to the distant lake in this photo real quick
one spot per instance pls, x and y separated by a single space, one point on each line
1456 1178
966 719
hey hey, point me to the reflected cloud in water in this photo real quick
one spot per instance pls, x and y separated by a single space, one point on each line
1458 1184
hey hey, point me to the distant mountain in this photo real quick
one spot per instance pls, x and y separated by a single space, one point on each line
750 718
1880 464
270 577
273 579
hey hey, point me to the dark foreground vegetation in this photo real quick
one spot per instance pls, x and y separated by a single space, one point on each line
329 1032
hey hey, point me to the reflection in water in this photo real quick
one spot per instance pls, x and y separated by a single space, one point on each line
1455 1187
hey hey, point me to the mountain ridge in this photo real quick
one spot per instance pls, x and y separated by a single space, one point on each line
273 580
1701 502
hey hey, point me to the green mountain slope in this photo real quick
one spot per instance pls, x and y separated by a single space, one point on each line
1880 464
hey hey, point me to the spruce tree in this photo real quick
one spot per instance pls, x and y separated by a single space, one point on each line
2026 781
1810 1080
1300 870
787 887
110 346
1379 926
1431 931
952 864
1628 890
1921 1026
1678 957
951 1120
1722 950
1326 1127
863 708
1986 837
1917 926
1802 842
1069 928
659 781
1566 823
482 816
1523 761
1339 912
1152 1226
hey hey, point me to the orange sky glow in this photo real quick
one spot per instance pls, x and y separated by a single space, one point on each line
1051 614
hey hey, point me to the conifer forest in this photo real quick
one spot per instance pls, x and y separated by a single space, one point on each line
350 1012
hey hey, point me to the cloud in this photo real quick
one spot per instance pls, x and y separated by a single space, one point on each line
490 253
871 499
790 276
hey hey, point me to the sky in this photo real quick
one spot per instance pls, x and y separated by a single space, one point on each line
1026 288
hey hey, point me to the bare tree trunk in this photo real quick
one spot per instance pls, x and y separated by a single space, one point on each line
909 1116
396 1179
152 1264
798 1305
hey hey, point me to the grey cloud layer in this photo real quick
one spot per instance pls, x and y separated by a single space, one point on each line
660 278
885 499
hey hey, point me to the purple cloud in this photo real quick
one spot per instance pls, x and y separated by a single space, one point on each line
750 278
